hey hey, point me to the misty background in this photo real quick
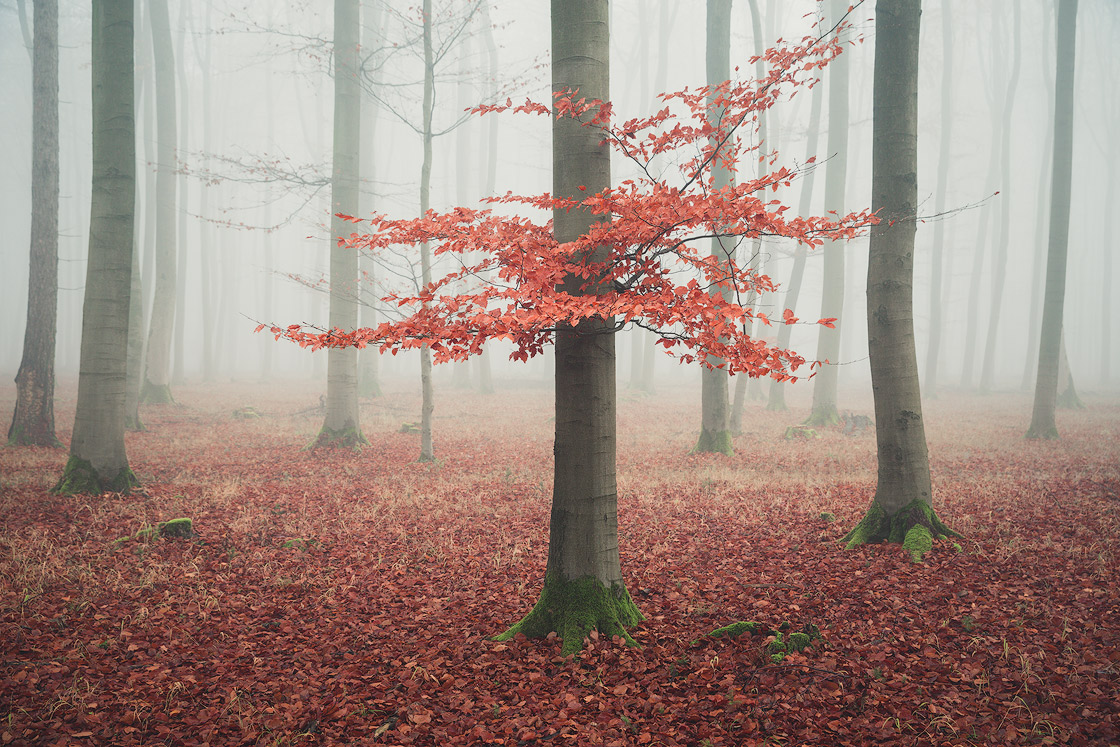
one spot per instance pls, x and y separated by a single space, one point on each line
254 98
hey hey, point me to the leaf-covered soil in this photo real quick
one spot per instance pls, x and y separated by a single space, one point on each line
333 598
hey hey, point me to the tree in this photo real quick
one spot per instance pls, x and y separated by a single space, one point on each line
1043 423
715 422
341 426
98 461
610 257
33 419
157 368
824 410
902 509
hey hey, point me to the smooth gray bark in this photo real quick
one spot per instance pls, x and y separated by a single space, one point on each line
937 252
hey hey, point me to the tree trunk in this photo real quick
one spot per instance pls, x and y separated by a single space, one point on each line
824 410
1043 424
715 416
999 262
157 370
98 461
178 371
135 360
777 401
33 419
583 586
340 426
369 359
945 150
427 397
902 510
485 375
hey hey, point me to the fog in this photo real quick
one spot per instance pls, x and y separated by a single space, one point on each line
255 129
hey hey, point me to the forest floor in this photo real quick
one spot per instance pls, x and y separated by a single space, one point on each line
333 598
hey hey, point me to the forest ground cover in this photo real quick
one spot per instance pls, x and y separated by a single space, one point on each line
333 598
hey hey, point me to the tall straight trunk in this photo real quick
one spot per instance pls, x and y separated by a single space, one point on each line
715 421
461 370
157 369
205 231
427 396
1043 424
98 461
135 360
999 261
937 252
33 419
341 427
490 132
902 510
145 128
777 401
177 359
1111 205
641 62
824 410
1034 316
583 586
369 359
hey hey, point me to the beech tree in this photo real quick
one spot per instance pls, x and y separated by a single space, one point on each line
33 419
1043 423
902 509
612 256
341 426
98 461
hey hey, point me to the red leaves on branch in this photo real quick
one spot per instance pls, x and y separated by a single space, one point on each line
646 263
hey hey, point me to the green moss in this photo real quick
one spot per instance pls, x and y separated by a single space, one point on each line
914 527
17 436
714 442
79 477
825 515
801 432
344 438
176 528
573 608
799 641
823 416
246 413
735 629
156 394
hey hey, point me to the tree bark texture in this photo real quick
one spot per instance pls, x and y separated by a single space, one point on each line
341 426
157 369
369 359
427 396
583 586
98 461
1043 423
824 410
33 419
715 415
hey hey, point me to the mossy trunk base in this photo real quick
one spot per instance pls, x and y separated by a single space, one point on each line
344 438
914 527
79 477
572 609
156 394
714 442
1068 399
823 416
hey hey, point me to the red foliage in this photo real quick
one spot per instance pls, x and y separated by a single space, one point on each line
646 263
373 627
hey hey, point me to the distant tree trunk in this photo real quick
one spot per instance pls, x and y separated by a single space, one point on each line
341 426
902 510
33 419
98 461
583 585
777 401
999 263
1111 205
461 370
1067 392
202 48
485 375
135 361
157 370
824 410
427 405
945 150
1034 317
1043 424
369 359
178 363
715 424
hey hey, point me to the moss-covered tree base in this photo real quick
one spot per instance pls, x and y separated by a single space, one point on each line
823 416
1047 432
1068 399
156 394
714 442
343 438
573 609
914 527
20 436
134 424
79 477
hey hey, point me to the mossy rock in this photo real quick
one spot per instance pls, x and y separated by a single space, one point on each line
409 428
245 413
175 528
826 516
800 433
